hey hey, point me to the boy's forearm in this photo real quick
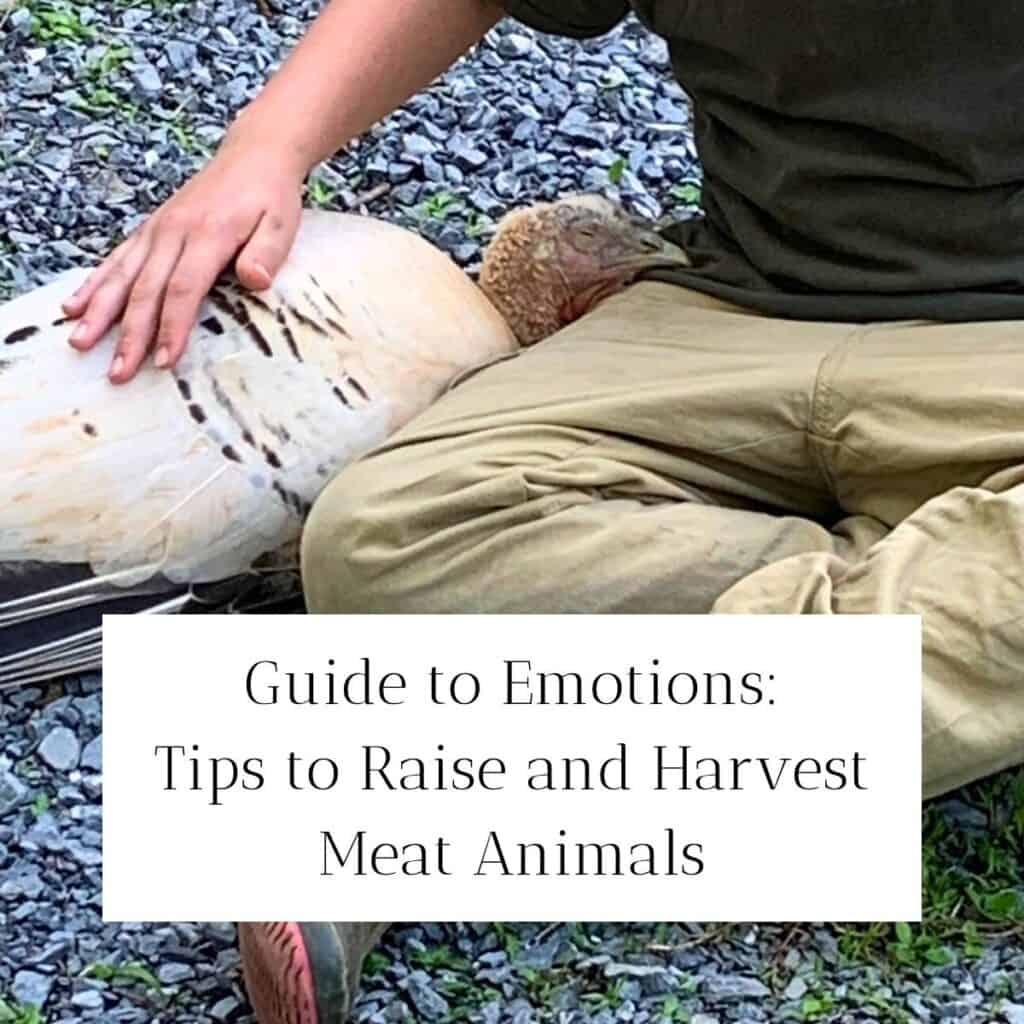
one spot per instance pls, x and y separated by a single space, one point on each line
359 61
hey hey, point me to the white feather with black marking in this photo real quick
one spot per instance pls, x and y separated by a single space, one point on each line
191 475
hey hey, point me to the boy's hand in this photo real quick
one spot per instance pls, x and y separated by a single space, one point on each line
239 207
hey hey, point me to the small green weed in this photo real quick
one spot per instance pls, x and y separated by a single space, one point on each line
441 956
97 98
673 1010
184 134
509 940
477 225
123 974
54 20
816 1005
19 1013
918 948
319 192
687 192
375 963
971 884
108 62
438 206
610 999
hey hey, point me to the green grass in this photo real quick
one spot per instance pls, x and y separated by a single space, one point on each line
19 1013
55 20
609 998
438 206
478 225
108 62
816 1005
973 885
58 20
509 939
183 133
319 193
686 192
156 4
672 1009
98 99
617 169
96 85
973 896
133 973
375 963
439 957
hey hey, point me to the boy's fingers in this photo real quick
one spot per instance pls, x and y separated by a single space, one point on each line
268 246
75 303
196 271
108 294
142 313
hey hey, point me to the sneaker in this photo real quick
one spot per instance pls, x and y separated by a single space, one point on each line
295 973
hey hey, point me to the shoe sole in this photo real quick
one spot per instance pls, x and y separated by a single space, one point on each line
294 973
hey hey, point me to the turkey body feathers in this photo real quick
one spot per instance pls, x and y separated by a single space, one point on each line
191 476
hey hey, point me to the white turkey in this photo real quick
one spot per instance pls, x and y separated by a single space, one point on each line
189 488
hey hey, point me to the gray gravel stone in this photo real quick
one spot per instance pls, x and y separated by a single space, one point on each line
12 792
1013 1013
88 1000
796 989
32 988
60 749
180 55
514 46
429 1004
92 755
418 146
41 85
172 974
723 988
224 1008
634 970
147 81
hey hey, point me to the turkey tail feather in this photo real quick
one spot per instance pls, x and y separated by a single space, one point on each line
51 615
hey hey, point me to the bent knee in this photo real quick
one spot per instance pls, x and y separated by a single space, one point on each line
342 544
387 532
434 525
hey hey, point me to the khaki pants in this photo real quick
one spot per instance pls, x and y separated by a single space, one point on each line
674 453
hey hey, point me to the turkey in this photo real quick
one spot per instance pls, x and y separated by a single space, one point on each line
187 489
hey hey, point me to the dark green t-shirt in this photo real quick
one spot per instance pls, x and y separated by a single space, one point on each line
863 159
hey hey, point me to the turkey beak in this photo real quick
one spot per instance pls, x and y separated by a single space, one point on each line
646 250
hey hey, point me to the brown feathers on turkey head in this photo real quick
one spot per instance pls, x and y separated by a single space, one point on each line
551 263
188 489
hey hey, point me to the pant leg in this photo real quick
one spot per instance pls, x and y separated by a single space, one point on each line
357 938
642 460
922 427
